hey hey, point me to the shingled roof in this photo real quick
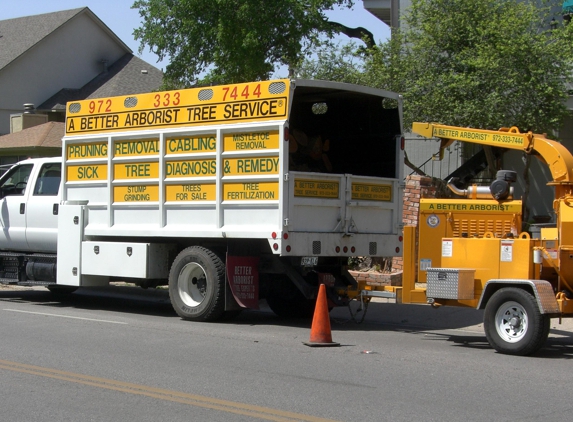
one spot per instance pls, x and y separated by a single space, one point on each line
47 135
129 75
18 35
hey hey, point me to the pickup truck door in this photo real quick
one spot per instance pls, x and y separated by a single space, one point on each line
14 191
42 209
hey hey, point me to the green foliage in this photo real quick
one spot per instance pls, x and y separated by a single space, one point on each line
493 64
232 40
331 62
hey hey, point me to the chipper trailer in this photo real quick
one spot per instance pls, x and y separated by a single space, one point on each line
471 251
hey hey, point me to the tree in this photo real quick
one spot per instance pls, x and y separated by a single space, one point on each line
489 65
341 63
235 40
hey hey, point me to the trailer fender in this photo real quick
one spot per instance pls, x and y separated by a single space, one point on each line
541 289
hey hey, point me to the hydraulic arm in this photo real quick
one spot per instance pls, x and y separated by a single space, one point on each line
555 155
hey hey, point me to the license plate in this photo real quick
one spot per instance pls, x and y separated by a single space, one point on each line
309 261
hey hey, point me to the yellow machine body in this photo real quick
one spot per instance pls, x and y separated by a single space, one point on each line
455 218
490 258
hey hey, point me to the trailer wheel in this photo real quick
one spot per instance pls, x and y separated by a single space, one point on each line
197 285
286 300
513 323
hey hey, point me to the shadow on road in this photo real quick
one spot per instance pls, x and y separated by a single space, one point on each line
156 302
134 300
416 319
556 347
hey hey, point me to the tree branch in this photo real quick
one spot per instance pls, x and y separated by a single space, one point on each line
413 166
360 33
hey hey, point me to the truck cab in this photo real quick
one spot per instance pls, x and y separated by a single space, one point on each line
30 197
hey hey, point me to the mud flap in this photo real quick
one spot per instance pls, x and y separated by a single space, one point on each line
243 281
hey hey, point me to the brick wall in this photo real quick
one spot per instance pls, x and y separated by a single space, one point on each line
416 187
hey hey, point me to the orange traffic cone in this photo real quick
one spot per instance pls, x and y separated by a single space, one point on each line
320 335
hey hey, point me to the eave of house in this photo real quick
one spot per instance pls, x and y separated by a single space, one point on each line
382 9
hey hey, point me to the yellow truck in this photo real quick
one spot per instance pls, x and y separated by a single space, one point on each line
470 251
227 194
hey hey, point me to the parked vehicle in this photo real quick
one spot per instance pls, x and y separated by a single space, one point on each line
228 194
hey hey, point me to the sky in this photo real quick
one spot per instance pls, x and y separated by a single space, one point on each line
122 20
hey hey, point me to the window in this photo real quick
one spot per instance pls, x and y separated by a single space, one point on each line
14 181
48 182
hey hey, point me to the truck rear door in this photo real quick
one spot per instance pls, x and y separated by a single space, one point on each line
345 162
345 204
42 209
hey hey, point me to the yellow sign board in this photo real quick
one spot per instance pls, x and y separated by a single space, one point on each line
371 192
191 168
191 144
148 170
136 148
252 141
481 205
251 191
191 192
251 166
316 188
485 137
136 193
254 101
87 173
472 135
86 151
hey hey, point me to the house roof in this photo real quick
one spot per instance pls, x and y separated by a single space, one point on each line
47 135
128 75
18 35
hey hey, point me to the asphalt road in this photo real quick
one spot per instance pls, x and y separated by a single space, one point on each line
121 354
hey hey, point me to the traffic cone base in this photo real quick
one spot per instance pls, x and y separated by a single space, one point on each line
320 335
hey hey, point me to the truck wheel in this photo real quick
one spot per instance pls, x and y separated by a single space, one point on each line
197 285
286 300
513 323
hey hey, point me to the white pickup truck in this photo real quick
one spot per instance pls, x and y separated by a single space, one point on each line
30 202
227 194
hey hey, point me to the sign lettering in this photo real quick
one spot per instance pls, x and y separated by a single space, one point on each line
371 192
87 173
147 118
251 141
139 147
83 151
191 192
470 206
251 191
191 168
500 139
243 275
203 143
316 188
136 170
251 166
217 113
136 193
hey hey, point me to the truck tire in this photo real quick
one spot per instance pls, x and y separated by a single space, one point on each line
286 300
197 285
513 323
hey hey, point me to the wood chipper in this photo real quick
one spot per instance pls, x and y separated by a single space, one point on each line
471 252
